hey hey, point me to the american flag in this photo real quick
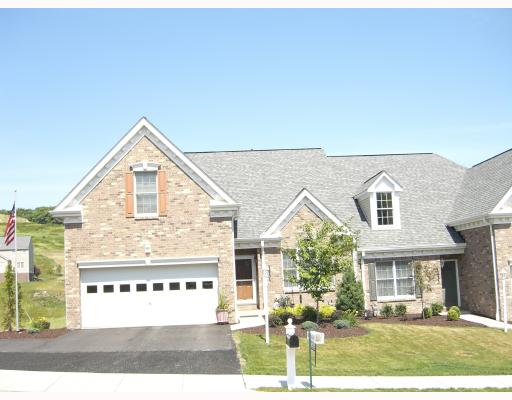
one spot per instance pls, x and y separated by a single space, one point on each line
10 228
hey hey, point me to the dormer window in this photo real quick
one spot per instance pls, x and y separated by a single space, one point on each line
384 208
379 199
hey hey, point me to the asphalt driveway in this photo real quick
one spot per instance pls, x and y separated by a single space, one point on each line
199 349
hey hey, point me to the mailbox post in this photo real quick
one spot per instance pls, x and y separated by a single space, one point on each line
292 343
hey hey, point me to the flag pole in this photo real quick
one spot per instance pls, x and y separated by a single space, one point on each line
16 265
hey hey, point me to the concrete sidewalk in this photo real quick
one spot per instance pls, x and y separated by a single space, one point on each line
383 382
34 381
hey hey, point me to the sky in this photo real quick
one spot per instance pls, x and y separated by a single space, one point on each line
72 82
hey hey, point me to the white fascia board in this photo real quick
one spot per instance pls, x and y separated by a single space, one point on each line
147 262
410 251
274 229
384 174
502 202
253 243
142 123
481 220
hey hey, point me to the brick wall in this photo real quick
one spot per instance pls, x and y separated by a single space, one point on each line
476 275
414 305
106 233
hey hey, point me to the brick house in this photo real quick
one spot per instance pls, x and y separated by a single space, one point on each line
153 234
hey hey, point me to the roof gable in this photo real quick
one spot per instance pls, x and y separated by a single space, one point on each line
304 198
143 128
380 182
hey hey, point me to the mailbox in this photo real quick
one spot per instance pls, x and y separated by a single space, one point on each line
292 341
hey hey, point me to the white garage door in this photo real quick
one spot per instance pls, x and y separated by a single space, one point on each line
148 296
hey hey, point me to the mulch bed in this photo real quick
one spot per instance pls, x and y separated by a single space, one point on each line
24 334
416 319
327 328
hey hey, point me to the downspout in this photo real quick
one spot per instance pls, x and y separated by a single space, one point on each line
235 306
494 269
266 273
363 279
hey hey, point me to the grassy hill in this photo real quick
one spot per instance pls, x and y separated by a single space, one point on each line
44 297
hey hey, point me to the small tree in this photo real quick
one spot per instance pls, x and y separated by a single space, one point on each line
9 316
323 250
349 294
425 274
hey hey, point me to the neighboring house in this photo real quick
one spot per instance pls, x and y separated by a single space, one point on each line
152 234
24 258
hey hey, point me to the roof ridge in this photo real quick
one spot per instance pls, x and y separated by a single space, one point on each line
252 150
490 158
378 155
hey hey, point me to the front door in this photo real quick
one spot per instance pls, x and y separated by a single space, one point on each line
449 282
245 280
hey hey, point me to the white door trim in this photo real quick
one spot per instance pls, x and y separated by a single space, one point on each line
254 281
456 276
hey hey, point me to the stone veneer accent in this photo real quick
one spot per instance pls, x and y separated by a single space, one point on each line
106 233
476 276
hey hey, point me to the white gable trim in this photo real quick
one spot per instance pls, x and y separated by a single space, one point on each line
374 186
143 128
500 207
304 198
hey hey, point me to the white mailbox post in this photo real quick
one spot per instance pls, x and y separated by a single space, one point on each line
291 346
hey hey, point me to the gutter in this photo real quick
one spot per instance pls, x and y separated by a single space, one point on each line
494 268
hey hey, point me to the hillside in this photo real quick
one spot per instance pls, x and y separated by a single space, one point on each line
44 297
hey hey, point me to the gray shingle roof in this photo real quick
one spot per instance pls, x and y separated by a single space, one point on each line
22 241
484 185
265 182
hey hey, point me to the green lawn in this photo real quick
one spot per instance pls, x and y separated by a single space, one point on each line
45 297
389 349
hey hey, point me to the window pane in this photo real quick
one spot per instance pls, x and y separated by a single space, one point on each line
385 288
174 286
207 284
124 288
403 269
190 285
158 287
384 270
145 182
141 287
405 287
146 203
92 289
243 269
289 271
108 288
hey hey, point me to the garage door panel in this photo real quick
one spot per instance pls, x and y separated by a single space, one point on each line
165 301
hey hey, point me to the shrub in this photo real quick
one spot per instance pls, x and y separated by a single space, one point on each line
453 313
309 313
284 313
338 314
400 310
427 312
350 316
309 326
284 301
297 311
387 311
341 324
40 324
349 294
327 311
274 320
436 308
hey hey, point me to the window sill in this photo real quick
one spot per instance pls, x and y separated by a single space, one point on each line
387 299
142 217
